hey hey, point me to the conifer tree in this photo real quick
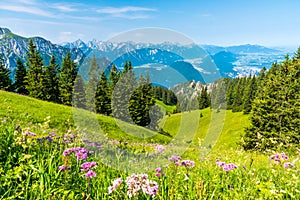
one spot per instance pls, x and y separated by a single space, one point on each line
79 99
122 93
5 81
141 103
114 76
91 85
249 95
275 115
103 101
67 78
35 74
51 80
204 100
20 77
238 97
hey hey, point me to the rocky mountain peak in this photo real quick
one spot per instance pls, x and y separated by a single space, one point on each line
3 31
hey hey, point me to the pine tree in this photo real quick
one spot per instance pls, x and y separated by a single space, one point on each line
122 93
20 77
67 78
141 102
218 94
275 115
51 80
103 101
5 81
91 85
79 100
35 74
249 95
114 76
237 105
204 100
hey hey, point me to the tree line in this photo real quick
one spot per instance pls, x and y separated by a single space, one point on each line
112 93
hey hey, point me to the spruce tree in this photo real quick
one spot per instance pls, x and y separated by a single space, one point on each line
20 77
91 85
275 115
103 101
249 95
67 78
237 105
122 93
51 80
114 76
141 103
5 81
35 74
204 100
79 99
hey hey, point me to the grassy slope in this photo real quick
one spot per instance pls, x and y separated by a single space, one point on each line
166 108
231 129
29 110
183 126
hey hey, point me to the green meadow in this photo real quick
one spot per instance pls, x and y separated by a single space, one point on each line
44 148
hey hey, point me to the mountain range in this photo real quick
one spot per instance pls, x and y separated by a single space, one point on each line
170 63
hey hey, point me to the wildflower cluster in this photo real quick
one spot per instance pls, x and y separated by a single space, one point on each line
80 153
159 172
48 138
278 158
226 167
188 164
87 166
159 148
135 184
175 160
30 133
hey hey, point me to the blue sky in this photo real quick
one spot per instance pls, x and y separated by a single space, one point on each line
219 22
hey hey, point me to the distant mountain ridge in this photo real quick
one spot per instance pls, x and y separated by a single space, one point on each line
230 61
13 46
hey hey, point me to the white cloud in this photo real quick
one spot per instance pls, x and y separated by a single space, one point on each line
127 12
64 7
27 2
27 9
126 9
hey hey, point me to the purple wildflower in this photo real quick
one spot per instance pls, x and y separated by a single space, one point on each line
284 157
289 165
226 167
63 168
80 153
229 167
278 158
219 163
30 133
159 148
188 163
90 174
175 159
159 172
87 166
